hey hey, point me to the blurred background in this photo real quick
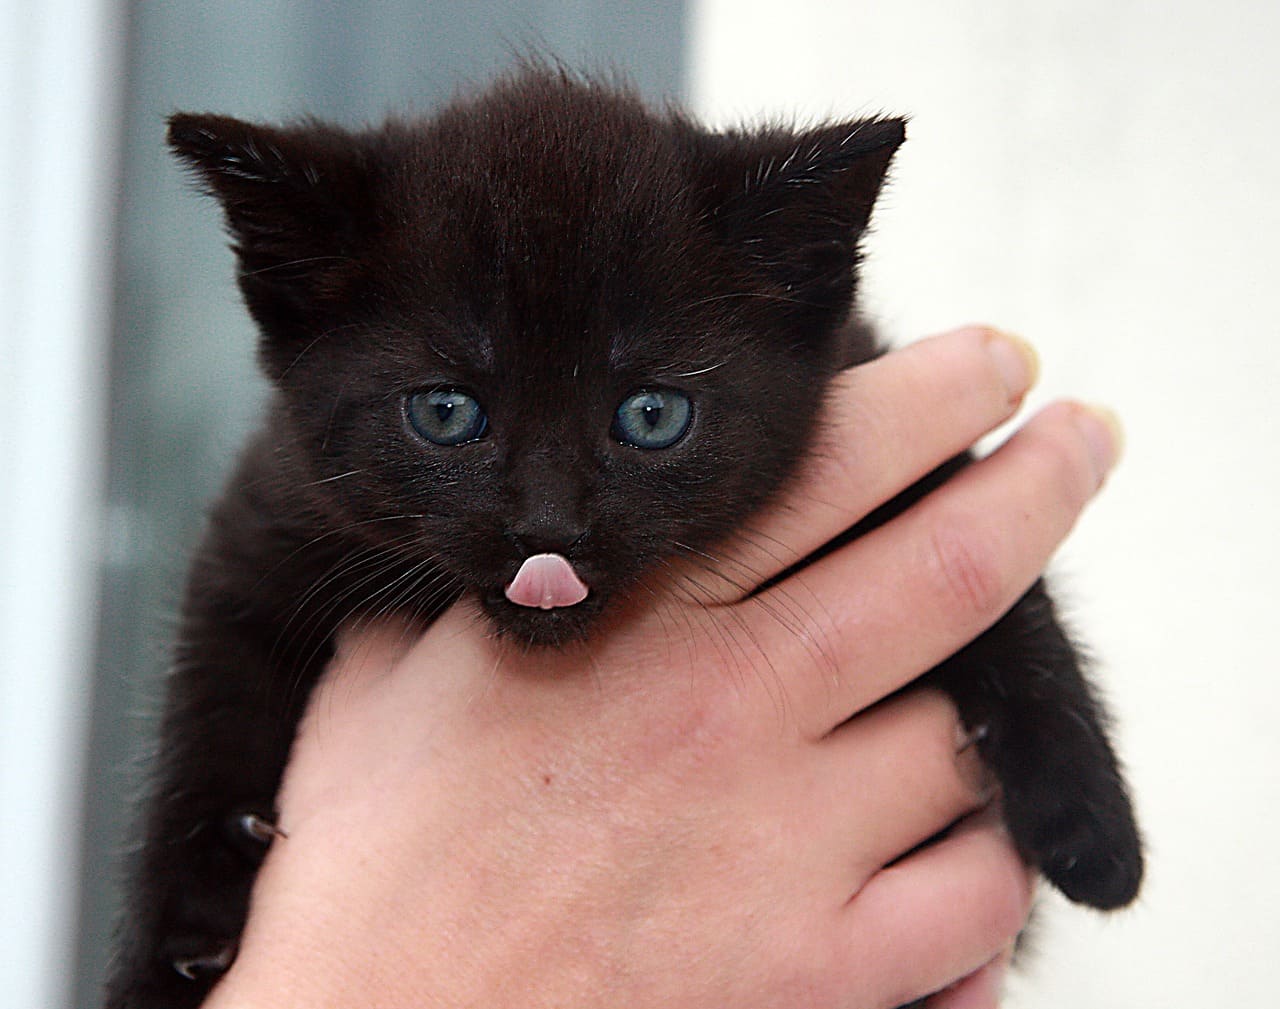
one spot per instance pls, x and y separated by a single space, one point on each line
1099 175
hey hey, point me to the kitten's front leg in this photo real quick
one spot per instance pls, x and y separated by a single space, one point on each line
1043 734
224 743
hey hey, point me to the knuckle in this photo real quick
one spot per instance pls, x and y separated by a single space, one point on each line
976 386
1061 469
967 567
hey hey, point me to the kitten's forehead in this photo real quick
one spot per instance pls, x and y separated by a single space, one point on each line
553 147
564 217
554 181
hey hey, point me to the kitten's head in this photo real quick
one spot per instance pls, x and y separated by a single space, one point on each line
547 320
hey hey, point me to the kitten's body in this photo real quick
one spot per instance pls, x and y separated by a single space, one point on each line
550 248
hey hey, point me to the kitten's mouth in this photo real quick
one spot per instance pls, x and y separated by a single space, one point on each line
546 604
546 582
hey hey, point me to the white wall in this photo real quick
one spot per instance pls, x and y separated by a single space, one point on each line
57 99
1103 176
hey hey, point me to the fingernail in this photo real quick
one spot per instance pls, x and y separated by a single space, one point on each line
1016 360
1103 435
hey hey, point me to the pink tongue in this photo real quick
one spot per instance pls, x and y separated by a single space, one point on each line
546 581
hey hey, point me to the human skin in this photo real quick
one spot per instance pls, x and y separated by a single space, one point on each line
708 804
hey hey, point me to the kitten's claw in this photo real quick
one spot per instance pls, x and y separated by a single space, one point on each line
250 833
973 736
197 968
257 828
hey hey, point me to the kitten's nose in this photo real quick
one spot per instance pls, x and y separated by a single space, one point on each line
545 537
549 505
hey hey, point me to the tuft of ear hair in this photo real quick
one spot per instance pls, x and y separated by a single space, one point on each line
296 201
797 203
229 152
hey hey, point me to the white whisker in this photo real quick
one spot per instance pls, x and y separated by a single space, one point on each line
331 479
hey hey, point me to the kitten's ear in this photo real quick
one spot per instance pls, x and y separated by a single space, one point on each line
296 205
798 203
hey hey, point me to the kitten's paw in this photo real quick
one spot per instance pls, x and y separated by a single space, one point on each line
1081 835
190 903
1093 863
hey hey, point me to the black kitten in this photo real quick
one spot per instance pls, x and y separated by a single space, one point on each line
526 350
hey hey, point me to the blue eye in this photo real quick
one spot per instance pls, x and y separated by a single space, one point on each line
447 416
652 418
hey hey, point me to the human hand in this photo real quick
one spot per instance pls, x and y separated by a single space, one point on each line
686 811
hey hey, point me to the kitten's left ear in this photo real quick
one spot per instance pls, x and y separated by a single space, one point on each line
296 206
798 203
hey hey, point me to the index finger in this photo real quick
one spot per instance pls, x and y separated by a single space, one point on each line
888 423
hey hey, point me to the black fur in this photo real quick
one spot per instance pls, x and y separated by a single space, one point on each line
550 246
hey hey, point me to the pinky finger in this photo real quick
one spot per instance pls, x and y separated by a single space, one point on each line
941 914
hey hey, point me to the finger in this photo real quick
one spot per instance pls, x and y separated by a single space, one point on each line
942 913
892 778
980 990
881 610
888 423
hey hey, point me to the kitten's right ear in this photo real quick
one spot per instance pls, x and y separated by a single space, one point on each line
296 204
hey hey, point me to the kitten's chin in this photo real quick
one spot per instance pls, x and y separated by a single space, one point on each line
541 628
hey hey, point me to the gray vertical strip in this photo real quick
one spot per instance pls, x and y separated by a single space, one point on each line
57 130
